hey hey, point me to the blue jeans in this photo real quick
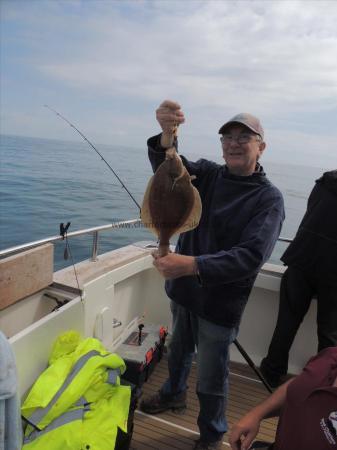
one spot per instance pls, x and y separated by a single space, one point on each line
212 342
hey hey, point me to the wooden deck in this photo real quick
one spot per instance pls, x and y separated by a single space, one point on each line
170 431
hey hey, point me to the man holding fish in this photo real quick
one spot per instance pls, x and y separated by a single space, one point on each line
211 273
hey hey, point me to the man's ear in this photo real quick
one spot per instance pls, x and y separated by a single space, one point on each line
262 146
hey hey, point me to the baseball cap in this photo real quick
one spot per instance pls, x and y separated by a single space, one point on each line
246 119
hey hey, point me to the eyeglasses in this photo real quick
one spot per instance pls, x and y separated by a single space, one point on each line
242 138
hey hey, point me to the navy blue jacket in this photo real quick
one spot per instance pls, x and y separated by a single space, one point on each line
240 223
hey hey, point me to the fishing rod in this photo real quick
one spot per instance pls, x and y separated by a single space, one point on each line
93 147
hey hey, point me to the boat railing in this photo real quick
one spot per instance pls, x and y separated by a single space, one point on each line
133 223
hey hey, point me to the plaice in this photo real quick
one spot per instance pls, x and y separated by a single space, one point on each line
171 204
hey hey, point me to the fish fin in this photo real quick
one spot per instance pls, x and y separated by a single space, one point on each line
145 214
197 208
193 218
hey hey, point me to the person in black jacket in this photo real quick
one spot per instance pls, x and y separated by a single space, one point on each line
211 273
312 271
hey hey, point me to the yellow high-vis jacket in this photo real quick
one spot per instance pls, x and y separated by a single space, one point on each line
77 402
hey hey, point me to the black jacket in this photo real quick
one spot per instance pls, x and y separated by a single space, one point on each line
240 223
314 247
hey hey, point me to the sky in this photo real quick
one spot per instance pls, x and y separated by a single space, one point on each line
107 65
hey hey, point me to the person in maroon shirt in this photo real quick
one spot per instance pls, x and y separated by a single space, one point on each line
306 405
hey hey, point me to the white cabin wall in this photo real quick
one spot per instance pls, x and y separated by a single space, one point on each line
118 295
258 324
258 321
157 308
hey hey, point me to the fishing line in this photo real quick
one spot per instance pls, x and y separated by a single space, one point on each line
94 148
67 252
73 264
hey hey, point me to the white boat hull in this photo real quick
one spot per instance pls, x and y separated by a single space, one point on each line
123 286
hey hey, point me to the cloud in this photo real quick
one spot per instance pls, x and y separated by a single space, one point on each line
208 54
276 59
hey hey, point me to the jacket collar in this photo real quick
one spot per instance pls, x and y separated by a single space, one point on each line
258 175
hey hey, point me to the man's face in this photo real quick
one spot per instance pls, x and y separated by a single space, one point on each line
241 158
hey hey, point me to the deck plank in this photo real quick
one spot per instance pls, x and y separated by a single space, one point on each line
169 430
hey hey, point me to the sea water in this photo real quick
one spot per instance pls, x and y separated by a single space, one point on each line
46 182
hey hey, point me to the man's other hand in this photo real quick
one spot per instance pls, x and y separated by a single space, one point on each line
174 266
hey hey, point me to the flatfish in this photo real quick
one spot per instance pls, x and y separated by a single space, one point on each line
171 204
